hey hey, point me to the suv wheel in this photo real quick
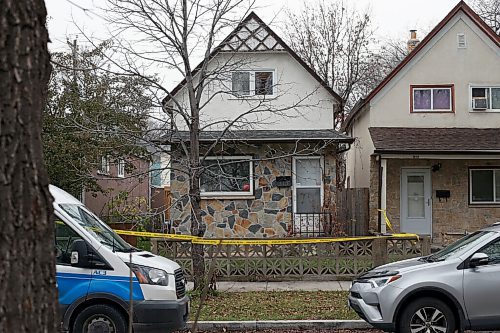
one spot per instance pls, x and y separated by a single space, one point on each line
427 315
100 318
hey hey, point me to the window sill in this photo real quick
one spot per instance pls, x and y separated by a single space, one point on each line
253 98
102 173
485 111
484 205
433 111
227 196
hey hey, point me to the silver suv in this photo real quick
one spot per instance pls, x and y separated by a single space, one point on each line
457 288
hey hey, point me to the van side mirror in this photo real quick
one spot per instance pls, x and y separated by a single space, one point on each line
79 253
479 259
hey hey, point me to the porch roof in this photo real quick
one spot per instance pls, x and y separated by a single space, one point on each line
438 140
263 136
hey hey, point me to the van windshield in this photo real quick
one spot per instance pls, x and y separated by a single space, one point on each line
98 229
459 247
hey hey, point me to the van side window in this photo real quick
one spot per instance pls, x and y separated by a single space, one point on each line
64 237
493 251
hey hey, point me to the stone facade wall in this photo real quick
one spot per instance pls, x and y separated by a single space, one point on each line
268 213
450 217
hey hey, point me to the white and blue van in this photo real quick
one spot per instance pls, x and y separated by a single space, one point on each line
94 277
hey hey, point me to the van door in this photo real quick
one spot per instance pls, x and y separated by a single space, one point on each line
72 282
482 290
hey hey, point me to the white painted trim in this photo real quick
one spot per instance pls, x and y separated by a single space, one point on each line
294 180
248 195
427 191
383 192
441 157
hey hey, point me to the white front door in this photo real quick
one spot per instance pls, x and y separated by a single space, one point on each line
308 195
416 201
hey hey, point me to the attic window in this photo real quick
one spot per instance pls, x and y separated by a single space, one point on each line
253 83
461 41
431 98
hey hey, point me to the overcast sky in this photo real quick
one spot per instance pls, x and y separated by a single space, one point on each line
391 18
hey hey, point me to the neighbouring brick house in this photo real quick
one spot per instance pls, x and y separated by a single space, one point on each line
428 137
124 190
275 173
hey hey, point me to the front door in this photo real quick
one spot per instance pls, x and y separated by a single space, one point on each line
308 195
416 201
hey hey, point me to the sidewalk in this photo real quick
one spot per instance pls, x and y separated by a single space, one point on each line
225 286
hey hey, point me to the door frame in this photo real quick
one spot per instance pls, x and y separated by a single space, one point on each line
426 170
294 174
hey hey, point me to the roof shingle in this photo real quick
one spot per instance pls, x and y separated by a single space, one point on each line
459 140
264 135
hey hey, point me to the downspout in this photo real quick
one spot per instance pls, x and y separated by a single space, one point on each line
379 160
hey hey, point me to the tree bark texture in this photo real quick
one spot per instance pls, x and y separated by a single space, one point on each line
28 296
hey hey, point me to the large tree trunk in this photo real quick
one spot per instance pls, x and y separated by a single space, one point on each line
28 301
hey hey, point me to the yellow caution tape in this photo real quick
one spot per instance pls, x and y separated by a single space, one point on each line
277 241
387 222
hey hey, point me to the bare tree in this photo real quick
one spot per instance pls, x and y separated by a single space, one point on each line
28 302
175 35
489 10
336 41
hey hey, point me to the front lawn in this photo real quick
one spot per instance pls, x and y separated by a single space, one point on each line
275 305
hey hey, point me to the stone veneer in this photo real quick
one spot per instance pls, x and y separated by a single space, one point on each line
449 217
268 213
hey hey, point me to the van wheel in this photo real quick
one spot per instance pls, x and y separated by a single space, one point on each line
427 315
100 318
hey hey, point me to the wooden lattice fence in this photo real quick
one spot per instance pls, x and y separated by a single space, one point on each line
315 261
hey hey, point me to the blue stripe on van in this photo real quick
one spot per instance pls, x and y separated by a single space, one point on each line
74 286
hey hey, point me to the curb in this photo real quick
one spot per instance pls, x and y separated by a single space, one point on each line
220 326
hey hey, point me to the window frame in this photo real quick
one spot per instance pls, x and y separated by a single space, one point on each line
246 194
483 203
489 109
251 84
103 165
432 87
120 168
296 186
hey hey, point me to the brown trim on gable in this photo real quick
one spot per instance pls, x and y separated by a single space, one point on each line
452 86
461 6
278 39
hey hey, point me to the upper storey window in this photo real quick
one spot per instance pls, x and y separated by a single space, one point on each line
485 98
432 98
253 83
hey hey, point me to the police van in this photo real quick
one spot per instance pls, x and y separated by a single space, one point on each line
97 281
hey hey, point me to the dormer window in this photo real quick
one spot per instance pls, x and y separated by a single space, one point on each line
431 98
253 83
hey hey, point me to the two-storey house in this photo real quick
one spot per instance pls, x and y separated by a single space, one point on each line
268 144
428 136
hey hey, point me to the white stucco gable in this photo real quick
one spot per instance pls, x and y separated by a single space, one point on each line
260 83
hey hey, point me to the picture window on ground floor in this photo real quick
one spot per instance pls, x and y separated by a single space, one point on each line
228 175
485 186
